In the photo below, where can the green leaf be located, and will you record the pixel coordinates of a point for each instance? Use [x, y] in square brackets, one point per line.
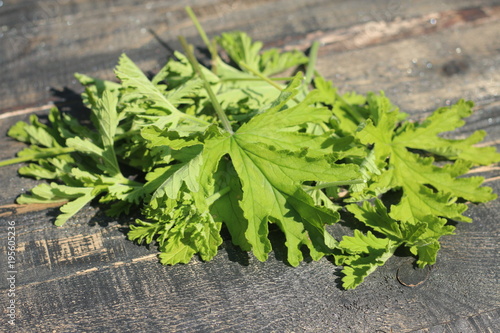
[94, 88]
[77, 198]
[366, 253]
[425, 136]
[107, 117]
[188, 174]
[71, 208]
[427, 188]
[426, 253]
[142, 88]
[132, 77]
[145, 232]
[421, 236]
[272, 181]
[241, 48]
[183, 227]
[235, 145]
[227, 208]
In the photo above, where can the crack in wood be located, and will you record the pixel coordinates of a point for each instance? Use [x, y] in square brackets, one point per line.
[380, 32]
[27, 110]
[485, 169]
[492, 179]
[148, 257]
[18, 209]
[478, 314]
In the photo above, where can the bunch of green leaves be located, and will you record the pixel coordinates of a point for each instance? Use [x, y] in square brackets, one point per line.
[235, 147]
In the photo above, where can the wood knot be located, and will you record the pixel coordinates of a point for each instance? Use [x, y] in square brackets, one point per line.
[409, 275]
[454, 67]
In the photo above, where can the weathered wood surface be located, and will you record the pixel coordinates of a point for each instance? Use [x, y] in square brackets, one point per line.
[87, 277]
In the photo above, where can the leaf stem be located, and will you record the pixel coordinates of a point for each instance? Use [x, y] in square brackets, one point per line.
[196, 66]
[285, 78]
[352, 111]
[338, 183]
[265, 78]
[47, 153]
[125, 135]
[212, 47]
[214, 197]
[262, 77]
[313, 56]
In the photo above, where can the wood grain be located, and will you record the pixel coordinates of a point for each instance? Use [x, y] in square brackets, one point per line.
[86, 276]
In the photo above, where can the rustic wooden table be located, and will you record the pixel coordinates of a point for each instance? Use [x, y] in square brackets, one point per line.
[85, 276]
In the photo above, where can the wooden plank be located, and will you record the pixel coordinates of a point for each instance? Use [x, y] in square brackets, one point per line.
[119, 284]
[86, 276]
[44, 43]
[484, 322]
